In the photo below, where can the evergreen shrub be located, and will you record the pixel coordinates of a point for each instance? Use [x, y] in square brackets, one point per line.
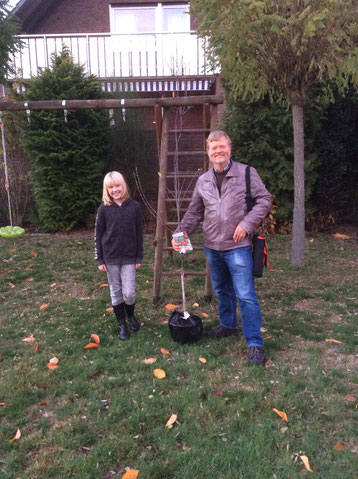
[67, 157]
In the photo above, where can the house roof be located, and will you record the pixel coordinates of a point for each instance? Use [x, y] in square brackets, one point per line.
[30, 11]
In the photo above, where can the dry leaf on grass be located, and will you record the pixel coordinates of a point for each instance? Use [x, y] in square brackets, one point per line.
[131, 474]
[159, 373]
[43, 306]
[17, 436]
[171, 421]
[304, 459]
[95, 338]
[43, 403]
[331, 340]
[341, 236]
[91, 345]
[202, 360]
[339, 447]
[149, 360]
[282, 414]
[54, 360]
[109, 310]
[29, 280]
[11, 285]
[52, 366]
[164, 351]
[266, 338]
[36, 347]
[204, 315]
[263, 330]
[218, 392]
[29, 339]
[350, 398]
[2, 403]
[34, 254]
[103, 285]
[13, 250]
[171, 307]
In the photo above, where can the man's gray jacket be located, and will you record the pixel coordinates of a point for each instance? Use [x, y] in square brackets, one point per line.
[221, 214]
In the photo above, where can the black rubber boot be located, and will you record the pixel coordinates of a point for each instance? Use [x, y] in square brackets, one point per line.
[133, 322]
[120, 313]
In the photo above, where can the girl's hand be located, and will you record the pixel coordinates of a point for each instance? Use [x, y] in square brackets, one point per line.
[138, 265]
[102, 267]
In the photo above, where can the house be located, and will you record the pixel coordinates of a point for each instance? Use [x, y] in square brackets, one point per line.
[136, 45]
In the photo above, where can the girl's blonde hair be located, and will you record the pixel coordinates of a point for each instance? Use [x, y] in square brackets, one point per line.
[113, 178]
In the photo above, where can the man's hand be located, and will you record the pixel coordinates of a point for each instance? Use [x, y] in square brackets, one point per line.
[102, 267]
[239, 234]
[176, 246]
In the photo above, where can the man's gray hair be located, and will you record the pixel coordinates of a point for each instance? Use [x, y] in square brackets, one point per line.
[216, 135]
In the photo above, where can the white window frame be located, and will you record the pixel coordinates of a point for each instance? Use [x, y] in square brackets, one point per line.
[159, 15]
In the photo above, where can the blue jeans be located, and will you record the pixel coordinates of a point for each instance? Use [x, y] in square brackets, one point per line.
[231, 276]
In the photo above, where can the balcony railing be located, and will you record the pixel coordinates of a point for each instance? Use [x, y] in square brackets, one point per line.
[112, 55]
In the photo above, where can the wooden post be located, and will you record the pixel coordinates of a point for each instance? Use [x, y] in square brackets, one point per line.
[163, 165]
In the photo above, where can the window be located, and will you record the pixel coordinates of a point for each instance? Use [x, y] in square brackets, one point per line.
[150, 19]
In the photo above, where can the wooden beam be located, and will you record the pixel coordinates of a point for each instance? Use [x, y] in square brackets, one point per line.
[111, 103]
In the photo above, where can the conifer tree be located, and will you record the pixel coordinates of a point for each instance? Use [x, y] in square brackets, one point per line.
[67, 156]
[9, 44]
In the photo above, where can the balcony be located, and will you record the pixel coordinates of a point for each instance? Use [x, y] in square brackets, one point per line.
[123, 61]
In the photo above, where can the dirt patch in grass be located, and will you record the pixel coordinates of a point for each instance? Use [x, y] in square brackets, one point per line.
[331, 357]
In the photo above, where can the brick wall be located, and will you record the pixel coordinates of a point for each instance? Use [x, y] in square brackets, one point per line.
[80, 16]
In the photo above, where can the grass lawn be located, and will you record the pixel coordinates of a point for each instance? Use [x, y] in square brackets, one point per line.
[102, 410]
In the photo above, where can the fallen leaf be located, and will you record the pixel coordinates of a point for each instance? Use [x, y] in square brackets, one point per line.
[109, 310]
[43, 403]
[34, 254]
[171, 420]
[268, 363]
[339, 447]
[282, 414]
[149, 360]
[103, 285]
[202, 360]
[43, 306]
[131, 474]
[2, 403]
[28, 268]
[341, 236]
[304, 459]
[164, 351]
[95, 373]
[52, 365]
[350, 398]
[11, 285]
[13, 250]
[263, 330]
[91, 345]
[218, 392]
[36, 347]
[195, 305]
[171, 307]
[266, 338]
[29, 339]
[204, 315]
[53, 285]
[147, 281]
[95, 338]
[330, 340]
[54, 360]
[17, 436]
[164, 322]
[29, 280]
[159, 373]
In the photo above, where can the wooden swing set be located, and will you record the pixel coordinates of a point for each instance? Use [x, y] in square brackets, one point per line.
[161, 108]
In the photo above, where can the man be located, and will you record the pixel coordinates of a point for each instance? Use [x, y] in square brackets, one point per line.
[219, 200]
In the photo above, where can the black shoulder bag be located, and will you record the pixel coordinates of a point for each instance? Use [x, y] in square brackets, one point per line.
[259, 245]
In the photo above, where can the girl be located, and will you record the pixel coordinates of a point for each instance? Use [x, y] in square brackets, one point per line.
[119, 247]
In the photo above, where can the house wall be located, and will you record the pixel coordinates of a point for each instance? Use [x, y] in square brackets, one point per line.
[80, 16]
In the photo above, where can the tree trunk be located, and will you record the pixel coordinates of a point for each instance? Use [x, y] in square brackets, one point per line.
[298, 228]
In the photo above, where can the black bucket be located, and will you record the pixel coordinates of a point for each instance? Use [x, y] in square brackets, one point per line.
[185, 330]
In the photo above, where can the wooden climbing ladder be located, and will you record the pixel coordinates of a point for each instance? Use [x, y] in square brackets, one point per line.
[182, 158]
